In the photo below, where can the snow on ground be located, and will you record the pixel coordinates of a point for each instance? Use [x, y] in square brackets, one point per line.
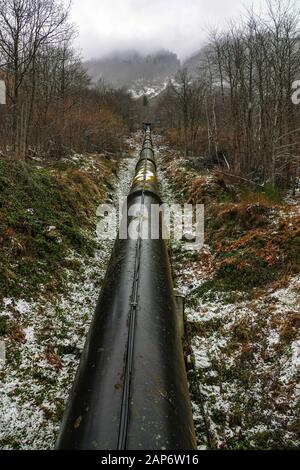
[248, 369]
[246, 355]
[149, 89]
[43, 356]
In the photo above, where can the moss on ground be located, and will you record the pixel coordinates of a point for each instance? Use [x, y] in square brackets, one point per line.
[243, 322]
[45, 213]
[249, 249]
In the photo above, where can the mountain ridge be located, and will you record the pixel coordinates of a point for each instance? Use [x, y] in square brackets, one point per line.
[123, 69]
[142, 74]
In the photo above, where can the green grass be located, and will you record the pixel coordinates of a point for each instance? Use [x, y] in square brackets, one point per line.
[4, 325]
[31, 201]
[268, 191]
[254, 245]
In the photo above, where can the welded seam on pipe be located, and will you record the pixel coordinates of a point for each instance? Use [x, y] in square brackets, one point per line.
[124, 418]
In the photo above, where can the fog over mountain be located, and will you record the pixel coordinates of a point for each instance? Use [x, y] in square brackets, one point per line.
[124, 69]
[143, 25]
[142, 74]
[193, 61]
[136, 28]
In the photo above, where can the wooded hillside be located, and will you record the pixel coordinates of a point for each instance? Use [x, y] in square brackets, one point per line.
[240, 105]
[52, 106]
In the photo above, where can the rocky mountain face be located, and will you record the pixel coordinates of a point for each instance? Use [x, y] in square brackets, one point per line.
[142, 74]
[192, 63]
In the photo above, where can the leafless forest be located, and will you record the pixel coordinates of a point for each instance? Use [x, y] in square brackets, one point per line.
[235, 107]
[51, 106]
[238, 106]
[226, 135]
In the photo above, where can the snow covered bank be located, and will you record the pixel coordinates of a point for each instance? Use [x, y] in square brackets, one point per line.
[242, 346]
[44, 346]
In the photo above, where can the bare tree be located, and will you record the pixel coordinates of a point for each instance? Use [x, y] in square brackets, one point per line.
[246, 74]
[25, 27]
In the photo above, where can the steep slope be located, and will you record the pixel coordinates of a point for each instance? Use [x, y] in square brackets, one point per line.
[143, 74]
[242, 307]
[46, 312]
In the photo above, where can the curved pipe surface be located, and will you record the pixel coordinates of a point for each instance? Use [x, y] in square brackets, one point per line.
[131, 391]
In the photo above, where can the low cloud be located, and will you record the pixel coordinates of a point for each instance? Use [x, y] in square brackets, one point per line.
[178, 25]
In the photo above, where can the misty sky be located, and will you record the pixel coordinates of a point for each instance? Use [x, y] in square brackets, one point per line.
[147, 25]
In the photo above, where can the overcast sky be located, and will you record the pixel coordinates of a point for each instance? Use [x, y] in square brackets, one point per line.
[146, 25]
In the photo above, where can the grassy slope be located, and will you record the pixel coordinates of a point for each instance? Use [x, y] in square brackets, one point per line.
[44, 214]
[49, 283]
[254, 235]
[243, 315]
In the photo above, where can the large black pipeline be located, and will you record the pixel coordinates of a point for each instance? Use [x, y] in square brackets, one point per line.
[131, 391]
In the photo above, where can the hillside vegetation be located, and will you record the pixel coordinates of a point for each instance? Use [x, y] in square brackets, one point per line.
[52, 269]
[45, 213]
[242, 288]
[237, 100]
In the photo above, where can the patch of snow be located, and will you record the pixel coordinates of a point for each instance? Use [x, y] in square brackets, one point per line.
[22, 307]
[248, 371]
[40, 369]
[200, 354]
